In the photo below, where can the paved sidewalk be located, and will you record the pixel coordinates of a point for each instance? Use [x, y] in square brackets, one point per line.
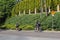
[32, 33]
[29, 31]
[29, 35]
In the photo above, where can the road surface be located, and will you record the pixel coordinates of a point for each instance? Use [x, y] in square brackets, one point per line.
[29, 35]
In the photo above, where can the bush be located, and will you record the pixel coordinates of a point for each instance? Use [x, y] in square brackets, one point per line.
[28, 27]
[3, 27]
[9, 26]
[30, 20]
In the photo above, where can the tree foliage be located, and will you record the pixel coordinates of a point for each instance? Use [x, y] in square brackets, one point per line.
[32, 4]
[5, 9]
[6, 6]
[26, 5]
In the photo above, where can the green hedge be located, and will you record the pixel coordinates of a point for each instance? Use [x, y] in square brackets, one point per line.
[28, 21]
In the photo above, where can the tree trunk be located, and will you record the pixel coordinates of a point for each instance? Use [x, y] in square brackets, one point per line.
[29, 11]
[24, 12]
[35, 10]
[45, 8]
[41, 7]
[19, 12]
[58, 8]
[49, 10]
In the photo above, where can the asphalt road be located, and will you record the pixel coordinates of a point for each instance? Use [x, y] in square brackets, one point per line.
[29, 35]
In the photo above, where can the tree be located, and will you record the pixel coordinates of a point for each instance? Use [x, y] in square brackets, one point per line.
[6, 6]
[5, 9]
[53, 5]
[48, 3]
[31, 5]
[57, 3]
